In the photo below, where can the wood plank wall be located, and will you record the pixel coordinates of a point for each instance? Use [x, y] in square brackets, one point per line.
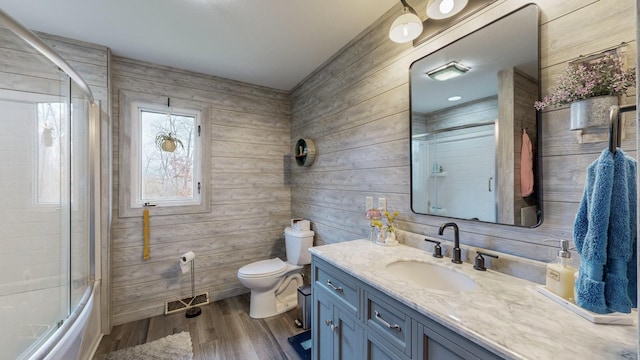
[518, 92]
[22, 67]
[250, 195]
[356, 109]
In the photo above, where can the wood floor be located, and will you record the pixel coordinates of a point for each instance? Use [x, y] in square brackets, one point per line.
[224, 330]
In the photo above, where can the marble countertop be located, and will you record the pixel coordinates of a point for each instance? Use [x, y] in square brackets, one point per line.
[505, 314]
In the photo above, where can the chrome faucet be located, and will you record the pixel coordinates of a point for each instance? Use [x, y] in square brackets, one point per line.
[456, 239]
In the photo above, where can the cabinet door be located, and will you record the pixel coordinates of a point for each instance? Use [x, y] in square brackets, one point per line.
[336, 332]
[322, 332]
[348, 341]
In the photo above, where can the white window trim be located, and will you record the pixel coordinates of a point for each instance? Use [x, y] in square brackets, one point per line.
[129, 104]
[136, 200]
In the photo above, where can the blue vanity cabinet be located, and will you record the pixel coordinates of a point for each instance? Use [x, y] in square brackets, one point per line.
[353, 320]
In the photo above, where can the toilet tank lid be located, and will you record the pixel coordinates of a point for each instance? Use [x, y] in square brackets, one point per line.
[300, 233]
[263, 267]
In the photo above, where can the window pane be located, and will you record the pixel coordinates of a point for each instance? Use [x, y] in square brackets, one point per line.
[167, 176]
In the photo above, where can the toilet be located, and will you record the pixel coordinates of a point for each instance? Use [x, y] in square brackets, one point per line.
[274, 283]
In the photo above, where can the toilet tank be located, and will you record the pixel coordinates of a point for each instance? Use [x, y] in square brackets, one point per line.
[297, 244]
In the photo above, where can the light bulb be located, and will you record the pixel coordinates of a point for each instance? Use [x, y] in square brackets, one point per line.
[446, 6]
[442, 9]
[405, 28]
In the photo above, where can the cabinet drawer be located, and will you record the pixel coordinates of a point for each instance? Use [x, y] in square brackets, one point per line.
[340, 285]
[437, 342]
[390, 322]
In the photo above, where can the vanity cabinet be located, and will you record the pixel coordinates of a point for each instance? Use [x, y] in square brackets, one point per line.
[352, 320]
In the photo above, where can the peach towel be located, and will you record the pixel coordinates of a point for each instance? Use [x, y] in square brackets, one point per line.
[145, 252]
[526, 166]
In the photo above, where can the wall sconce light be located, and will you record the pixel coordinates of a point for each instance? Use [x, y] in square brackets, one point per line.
[441, 14]
[448, 71]
[442, 9]
[407, 26]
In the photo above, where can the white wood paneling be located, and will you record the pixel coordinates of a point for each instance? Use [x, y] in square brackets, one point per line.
[250, 195]
[368, 80]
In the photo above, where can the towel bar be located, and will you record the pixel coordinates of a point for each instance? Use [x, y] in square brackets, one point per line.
[614, 124]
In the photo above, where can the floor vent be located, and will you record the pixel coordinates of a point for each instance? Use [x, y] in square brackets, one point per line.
[186, 303]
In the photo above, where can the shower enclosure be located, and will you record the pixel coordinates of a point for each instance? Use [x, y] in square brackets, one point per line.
[47, 132]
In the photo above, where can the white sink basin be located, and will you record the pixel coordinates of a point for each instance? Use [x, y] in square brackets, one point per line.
[431, 276]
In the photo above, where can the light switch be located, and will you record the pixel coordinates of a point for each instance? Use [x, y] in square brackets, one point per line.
[368, 202]
[382, 204]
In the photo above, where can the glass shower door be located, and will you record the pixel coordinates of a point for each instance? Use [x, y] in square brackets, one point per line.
[80, 204]
[45, 217]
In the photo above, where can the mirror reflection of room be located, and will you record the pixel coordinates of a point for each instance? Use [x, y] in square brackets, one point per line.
[473, 126]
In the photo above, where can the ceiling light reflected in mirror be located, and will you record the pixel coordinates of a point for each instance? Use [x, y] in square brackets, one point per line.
[448, 71]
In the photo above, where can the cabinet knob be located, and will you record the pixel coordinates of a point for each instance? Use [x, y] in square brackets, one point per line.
[331, 325]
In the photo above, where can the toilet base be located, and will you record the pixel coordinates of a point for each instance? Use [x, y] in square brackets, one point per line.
[265, 304]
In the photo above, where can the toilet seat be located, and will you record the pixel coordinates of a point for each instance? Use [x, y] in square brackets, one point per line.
[263, 268]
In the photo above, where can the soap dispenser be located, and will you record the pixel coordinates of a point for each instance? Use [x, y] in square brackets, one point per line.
[560, 273]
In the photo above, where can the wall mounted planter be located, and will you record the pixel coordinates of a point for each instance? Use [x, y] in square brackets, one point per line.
[591, 112]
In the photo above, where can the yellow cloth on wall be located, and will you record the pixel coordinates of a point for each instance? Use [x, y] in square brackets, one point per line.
[145, 252]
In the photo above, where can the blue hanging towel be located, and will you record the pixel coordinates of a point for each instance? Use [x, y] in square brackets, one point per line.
[605, 235]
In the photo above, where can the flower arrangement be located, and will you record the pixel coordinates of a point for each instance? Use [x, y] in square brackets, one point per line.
[603, 76]
[391, 226]
[372, 215]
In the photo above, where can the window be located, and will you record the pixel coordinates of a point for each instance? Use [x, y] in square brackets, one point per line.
[171, 177]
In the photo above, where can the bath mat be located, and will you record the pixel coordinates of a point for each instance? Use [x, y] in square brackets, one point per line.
[172, 347]
[302, 344]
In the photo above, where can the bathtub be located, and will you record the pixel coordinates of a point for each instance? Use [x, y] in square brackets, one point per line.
[66, 343]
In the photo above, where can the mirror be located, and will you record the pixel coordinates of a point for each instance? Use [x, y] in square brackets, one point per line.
[471, 110]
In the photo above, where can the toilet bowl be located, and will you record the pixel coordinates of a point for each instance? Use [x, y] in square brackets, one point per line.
[273, 282]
